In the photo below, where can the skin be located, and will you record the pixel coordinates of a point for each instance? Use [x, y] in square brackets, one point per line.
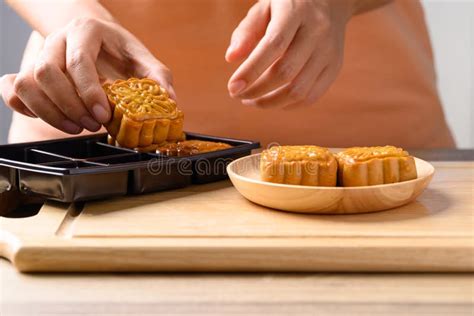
[289, 51]
[62, 84]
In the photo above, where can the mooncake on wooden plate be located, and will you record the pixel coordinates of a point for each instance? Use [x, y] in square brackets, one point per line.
[361, 166]
[301, 165]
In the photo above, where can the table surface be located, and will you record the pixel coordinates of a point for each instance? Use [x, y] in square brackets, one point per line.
[240, 294]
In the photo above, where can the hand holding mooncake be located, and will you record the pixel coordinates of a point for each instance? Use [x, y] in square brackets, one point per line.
[144, 116]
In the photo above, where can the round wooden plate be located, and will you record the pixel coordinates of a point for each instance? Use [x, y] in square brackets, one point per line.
[245, 176]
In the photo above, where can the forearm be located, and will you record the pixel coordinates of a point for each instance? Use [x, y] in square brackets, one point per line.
[32, 49]
[361, 6]
[47, 16]
[344, 10]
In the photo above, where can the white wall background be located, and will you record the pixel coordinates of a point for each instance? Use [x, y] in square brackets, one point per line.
[13, 35]
[451, 23]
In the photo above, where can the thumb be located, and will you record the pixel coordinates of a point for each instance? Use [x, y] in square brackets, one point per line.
[249, 32]
[161, 74]
[146, 65]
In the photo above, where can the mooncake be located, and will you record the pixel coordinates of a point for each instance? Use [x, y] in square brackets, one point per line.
[190, 147]
[144, 116]
[300, 165]
[361, 166]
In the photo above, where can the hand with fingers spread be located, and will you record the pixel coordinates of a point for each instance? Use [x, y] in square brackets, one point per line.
[290, 51]
[64, 85]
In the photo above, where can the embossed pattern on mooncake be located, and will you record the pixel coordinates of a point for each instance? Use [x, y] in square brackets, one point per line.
[301, 165]
[360, 166]
[144, 116]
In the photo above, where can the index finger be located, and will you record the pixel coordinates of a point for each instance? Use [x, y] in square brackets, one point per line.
[83, 46]
[278, 37]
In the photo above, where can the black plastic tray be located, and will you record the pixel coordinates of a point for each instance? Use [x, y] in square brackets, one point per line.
[86, 168]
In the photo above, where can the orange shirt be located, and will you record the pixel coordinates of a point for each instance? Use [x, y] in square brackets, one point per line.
[385, 94]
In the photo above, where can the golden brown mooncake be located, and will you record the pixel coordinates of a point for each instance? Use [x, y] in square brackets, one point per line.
[144, 115]
[190, 147]
[303, 165]
[360, 166]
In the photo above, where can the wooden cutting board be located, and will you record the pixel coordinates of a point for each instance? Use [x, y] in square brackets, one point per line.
[212, 228]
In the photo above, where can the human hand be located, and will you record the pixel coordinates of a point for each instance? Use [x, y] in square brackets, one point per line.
[291, 51]
[63, 85]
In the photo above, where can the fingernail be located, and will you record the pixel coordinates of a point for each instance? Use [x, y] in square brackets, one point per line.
[172, 93]
[100, 113]
[28, 112]
[231, 48]
[70, 127]
[89, 123]
[237, 86]
[249, 102]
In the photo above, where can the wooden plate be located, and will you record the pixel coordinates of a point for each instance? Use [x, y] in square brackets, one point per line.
[245, 176]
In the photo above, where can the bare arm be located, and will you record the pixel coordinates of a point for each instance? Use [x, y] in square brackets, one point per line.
[361, 6]
[291, 51]
[60, 79]
[47, 17]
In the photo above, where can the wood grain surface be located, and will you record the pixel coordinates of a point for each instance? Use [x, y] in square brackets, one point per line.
[245, 176]
[234, 294]
[212, 228]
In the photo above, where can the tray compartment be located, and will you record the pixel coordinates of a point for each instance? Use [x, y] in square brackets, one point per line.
[67, 166]
[160, 173]
[13, 153]
[211, 167]
[7, 179]
[117, 159]
[73, 187]
[151, 173]
[37, 156]
[84, 149]
[87, 168]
